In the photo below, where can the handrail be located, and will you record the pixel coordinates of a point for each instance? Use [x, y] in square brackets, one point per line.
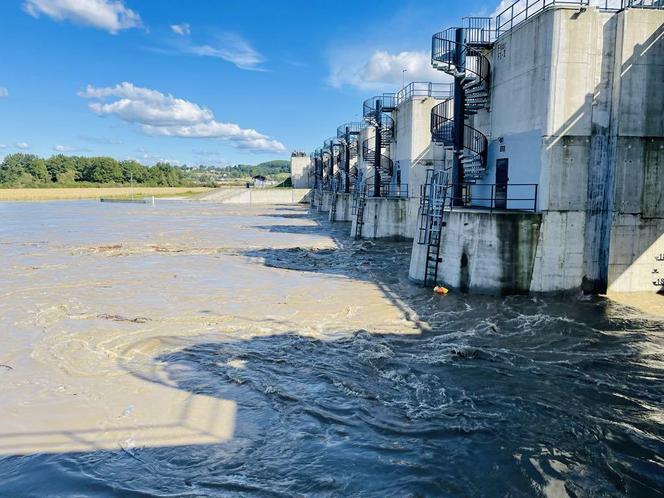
[394, 190]
[520, 10]
[442, 130]
[444, 51]
[527, 201]
[478, 30]
[352, 128]
[387, 103]
[423, 89]
[442, 122]
[368, 154]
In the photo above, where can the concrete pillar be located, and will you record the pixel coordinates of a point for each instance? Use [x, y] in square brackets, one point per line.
[459, 119]
[378, 149]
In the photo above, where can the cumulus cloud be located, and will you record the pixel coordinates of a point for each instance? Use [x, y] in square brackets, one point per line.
[382, 69]
[3, 146]
[3, 92]
[181, 29]
[162, 114]
[67, 148]
[109, 15]
[231, 48]
[22, 145]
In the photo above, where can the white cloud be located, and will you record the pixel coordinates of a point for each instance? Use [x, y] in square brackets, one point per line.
[145, 106]
[3, 146]
[100, 140]
[3, 92]
[230, 48]
[382, 69]
[67, 148]
[162, 114]
[109, 15]
[22, 145]
[181, 29]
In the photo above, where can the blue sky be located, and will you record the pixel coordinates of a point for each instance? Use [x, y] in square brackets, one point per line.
[203, 81]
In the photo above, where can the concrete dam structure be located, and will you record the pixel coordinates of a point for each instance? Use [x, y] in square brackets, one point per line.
[539, 169]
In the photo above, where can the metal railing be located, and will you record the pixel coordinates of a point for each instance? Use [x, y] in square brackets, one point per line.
[442, 122]
[444, 52]
[479, 30]
[521, 10]
[423, 89]
[475, 143]
[387, 103]
[394, 190]
[349, 130]
[495, 196]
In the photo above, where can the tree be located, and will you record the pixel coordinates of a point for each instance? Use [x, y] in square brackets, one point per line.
[102, 170]
[133, 171]
[23, 169]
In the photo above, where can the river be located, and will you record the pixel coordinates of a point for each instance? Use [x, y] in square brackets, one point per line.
[196, 349]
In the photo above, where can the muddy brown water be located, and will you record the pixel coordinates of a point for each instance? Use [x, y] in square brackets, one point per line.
[190, 349]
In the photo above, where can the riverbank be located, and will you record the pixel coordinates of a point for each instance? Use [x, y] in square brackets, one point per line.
[45, 194]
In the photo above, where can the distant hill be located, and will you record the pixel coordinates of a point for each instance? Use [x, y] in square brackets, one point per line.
[269, 169]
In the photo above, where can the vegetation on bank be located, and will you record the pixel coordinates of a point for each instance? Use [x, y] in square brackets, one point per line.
[30, 171]
[44, 194]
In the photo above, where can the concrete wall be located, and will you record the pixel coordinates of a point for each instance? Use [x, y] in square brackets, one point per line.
[636, 238]
[260, 196]
[343, 209]
[384, 218]
[576, 105]
[482, 252]
[411, 152]
[325, 201]
[302, 174]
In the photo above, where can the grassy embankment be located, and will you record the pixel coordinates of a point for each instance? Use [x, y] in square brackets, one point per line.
[43, 194]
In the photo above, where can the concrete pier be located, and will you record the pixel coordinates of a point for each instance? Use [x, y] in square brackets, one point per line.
[574, 108]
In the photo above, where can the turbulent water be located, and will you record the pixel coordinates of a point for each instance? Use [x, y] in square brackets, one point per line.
[190, 349]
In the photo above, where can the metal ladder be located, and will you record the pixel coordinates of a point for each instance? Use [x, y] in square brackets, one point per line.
[320, 198]
[359, 208]
[333, 206]
[433, 203]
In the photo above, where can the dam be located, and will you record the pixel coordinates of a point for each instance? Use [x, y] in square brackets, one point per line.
[539, 167]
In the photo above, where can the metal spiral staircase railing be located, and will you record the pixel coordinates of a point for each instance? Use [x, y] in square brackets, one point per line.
[348, 135]
[332, 157]
[462, 57]
[475, 143]
[376, 112]
[317, 161]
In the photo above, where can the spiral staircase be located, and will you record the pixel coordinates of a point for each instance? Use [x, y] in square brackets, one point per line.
[376, 112]
[348, 135]
[317, 161]
[475, 144]
[459, 53]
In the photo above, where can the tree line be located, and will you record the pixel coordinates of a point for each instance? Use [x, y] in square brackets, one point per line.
[29, 170]
[269, 169]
